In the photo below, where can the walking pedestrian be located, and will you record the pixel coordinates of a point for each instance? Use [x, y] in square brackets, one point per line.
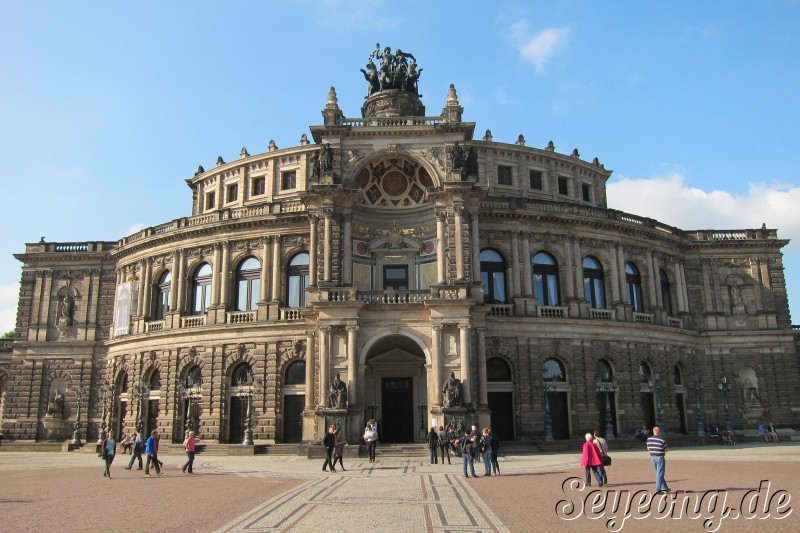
[151, 451]
[108, 451]
[444, 444]
[657, 448]
[433, 444]
[590, 460]
[467, 453]
[127, 443]
[329, 442]
[371, 438]
[602, 445]
[494, 442]
[136, 450]
[338, 448]
[485, 449]
[188, 446]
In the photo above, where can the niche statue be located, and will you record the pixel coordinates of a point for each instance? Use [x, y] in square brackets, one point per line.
[337, 394]
[56, 405]
[452, 392]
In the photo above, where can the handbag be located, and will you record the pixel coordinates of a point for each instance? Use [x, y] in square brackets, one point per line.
[606, 460]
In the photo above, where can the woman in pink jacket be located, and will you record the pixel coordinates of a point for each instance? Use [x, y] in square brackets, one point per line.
[590, 460]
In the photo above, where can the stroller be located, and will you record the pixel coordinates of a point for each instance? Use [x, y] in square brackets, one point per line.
[725, 437]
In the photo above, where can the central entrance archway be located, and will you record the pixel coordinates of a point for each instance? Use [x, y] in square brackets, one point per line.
[395, 384]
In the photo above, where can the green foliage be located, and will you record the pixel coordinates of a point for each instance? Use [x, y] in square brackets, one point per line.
[8, 335]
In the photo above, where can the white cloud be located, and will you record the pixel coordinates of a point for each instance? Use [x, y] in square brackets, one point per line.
[136, 228]
[539, 48]
[9, 296]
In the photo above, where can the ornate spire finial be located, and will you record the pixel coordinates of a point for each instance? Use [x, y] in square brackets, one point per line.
[520, 140]
[304, 140]
[551, 147]
[575, 153]
[244, 153]
[220, 161]
[333, 101]
[488, 136]
[272, 146]
[452, 97]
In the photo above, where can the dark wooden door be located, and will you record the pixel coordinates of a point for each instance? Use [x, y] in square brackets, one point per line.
[502, 417]
[559, 415]
[152, 416]
[237, 419]
[397, 403]
[649, 410]
[293, 417]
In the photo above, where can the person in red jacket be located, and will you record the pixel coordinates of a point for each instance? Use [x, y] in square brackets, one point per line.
[590, 460]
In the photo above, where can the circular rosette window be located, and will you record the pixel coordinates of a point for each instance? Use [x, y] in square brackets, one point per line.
[393, 182]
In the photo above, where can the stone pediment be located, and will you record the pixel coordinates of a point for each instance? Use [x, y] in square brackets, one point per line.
[395, 241]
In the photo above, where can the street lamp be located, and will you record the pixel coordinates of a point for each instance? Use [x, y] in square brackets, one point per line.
[106, 392]
[76, 427]
[246, 389]
[698, 391]
[188, 393]
[422, 426]
[725, 387]
[655, 386]
[548, 385]
[607, 387]
[141, 391]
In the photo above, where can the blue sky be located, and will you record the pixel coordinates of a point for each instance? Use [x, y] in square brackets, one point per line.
[108, 107]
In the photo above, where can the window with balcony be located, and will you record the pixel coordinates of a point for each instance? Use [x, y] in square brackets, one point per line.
[248, 284]
[633, 281]
[545, 279]
[298, 278]
[163, 295]
[593, 283]
[201, 289]
[493, 277]
[395, 277]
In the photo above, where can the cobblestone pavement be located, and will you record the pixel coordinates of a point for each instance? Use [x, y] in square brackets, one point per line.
[67, 492]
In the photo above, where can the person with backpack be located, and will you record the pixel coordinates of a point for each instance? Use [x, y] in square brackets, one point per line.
[137, 447]
[151, 451]
[433, 445]
[494, 443]
[467, 446]
[444, 444]
[107, 452]
[485, 449]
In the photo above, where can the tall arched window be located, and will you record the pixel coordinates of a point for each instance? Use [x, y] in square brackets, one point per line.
[296, 373]
[666, 294]
[493, 277]
[554, 371]
[163, 295]
[633, 281]
[242, 375]
[248, 284]
[593, 283]
[201, 289]
[298, 280]
[497, 370]
[604, 371]
[545, 279]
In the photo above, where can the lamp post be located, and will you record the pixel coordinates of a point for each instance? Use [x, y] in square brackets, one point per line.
[246, 389]
[725, 387]
[140, 394]
[698, 391]
[76, 427]
[655, 386]
[188, 393]
[105, 390]
[422, 426]
[548, 385]
[607, 387]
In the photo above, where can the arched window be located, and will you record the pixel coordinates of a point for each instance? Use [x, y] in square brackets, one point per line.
[666, 293]
[554, 371]
[604, 371]
[677, 375]
[497, 370]
[545, 279]
[242, 375]
[634, 283]
[645, 371]
[296, 373]
[201, 289]
[248, 284]
[493, 277]
[298, 280]
[163, 295]
[155, 380]
[194, 376]
[593, 283]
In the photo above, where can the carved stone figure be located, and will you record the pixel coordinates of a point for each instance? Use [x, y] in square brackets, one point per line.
[315, 167]
[65, 311]
[56, 405]
[736, 295]
[371, 75]
[457, 156]
[326, 158]
[452, 392]
[472, 162]
[395, 71]
[337, 393]
[750, 391]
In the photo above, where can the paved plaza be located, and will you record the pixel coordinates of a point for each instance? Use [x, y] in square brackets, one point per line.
[66, 492]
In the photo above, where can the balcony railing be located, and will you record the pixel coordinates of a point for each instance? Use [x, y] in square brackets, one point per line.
[291, 313]
[501, 310]
[394, 297]
[240, 317]
[643, 318]
[155, 326]
[673, 322]
[193, 321]
[552, 311]
[603, 314]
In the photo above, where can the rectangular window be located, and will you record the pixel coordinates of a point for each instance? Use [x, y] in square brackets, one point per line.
[563, 187]
[233, 192]
[259, 186]
[210, 200]
[504, 175]
[536, 180]
[585, 191]
[288, 180]
[395, 277]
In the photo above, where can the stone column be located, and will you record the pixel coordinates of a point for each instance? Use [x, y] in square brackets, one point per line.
[215, 279]
[459, 228]
[148, 284]
[140, 301]
[515, 285]
[324, 364]
[656, 283]
[352, 366]
[436, 365]
[475, 244]
[463, 349]
[310, 358]
[483, 396]
[621, 275]
[612, 253]
[263, 295]
[225, 275]
[578, 259]
[569, 277]
[683, 288]
[173, 303]
[441, 257]
[312, 251]
[676, 273]
[327, 252]
[276, 268]
[526, 265]
[181, 294]
[347, 249]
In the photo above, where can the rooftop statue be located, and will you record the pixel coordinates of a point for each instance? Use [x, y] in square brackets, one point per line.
[394, 71]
